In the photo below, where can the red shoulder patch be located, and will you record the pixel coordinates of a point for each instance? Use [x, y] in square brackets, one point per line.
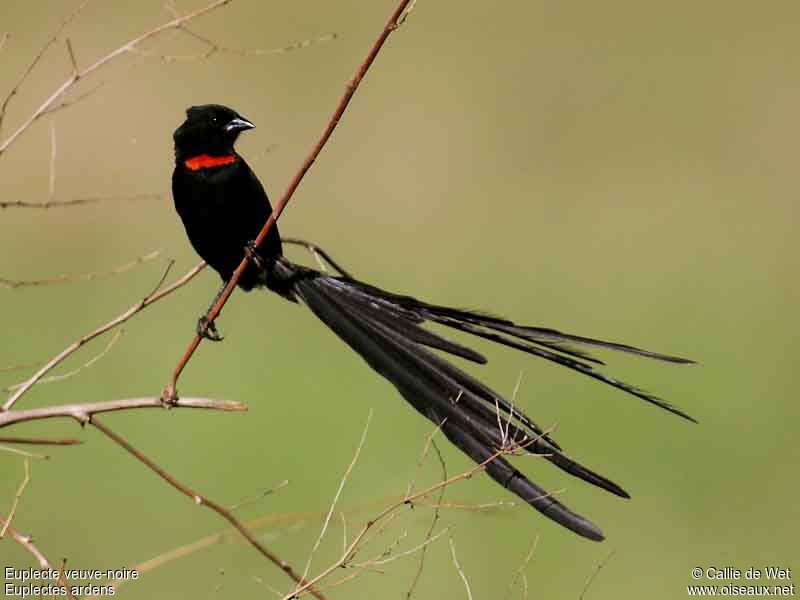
[205, 161]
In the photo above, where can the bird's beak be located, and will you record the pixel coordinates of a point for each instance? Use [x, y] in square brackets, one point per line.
[238, 124]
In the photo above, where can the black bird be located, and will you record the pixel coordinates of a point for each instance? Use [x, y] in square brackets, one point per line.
[223, 206]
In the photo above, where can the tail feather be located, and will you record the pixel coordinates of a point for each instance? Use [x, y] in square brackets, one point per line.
[545, 343]
[385, 330]
[510, 478]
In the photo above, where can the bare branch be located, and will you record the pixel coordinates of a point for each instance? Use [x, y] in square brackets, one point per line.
[263, 494]
[72, 60]
[594, 573]
[421, 566]
[390, 511]
[41, 441]
[59, 92]
[26, 541]
[73, 372]
[338, 493]
[26, 73]
[22, 453]
[203, 501]
[83, 413]
[53, 154]
[76, 201]
[213, 48]
[139, 306]
[17, 283]
[519, 575]
[321, 256]
[17, 496]
[419, 547]
[459, 569]
[19, 367]
[67, 102]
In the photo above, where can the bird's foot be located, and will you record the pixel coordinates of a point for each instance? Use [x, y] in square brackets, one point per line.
[251, 251]
[207, 330]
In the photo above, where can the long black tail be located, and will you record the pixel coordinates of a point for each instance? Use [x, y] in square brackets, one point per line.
[385, 330]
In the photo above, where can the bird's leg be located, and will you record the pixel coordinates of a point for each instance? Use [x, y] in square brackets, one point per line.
[205, 326]
[318, 253]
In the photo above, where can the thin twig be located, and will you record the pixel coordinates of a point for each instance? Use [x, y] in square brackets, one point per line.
[519, 575]
[263, 494]
[72, 59]
[389, 511]
[386, 557]
[271, 589]
[421, 566]
[26, 73]
[77, 76]
[482, 507]
[594, 573]
[204, 501]
[214, 48]
[77, 201]
[22, 453]
[350, 89]
[17, 283]
[142, 304]
[226, 535]
[459, 569]
[319, 254]
[19, 367]
[53, 154]
[83, 413]
[41, 441]
[429, 539]
[26, 541]
[338, 493]
[17, 496]
[73, 372]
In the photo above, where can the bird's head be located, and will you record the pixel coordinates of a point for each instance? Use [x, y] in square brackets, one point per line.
[209, 129]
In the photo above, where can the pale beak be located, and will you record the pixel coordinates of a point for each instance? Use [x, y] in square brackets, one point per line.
[238, 124]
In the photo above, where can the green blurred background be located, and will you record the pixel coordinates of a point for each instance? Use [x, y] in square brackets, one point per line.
[623, 170]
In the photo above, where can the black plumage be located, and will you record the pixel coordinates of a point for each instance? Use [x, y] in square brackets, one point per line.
[223, 206]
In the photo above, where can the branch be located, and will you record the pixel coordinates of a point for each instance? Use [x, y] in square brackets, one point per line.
[73, 372]
[78, 75]
[17, 283]
[352, 86]
[321, 256]
[436, 511]
[75, 201]
[594, 573]
[520, 575]
[40, 441]
[217, 508]
[214, 48]
[389, 512]
[141, 305]
[26, 541]
[459, 569]
[17, 496]
[336, 496]
[83, 412]
[26, 73]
